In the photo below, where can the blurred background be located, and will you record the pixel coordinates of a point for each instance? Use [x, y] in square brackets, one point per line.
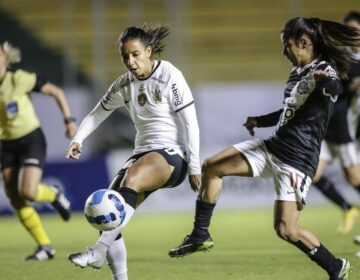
[229, 51]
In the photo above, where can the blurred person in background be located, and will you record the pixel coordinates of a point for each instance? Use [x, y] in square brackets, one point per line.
[161, 106]
[23, 147]
[353, 86]
[341, 140]
[316, 48]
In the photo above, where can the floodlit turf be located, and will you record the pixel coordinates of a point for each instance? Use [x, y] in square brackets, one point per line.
[245, 248]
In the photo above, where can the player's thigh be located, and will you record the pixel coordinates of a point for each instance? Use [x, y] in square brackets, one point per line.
[226, 163]
[149, 172]
[353, 174]
[320, 170]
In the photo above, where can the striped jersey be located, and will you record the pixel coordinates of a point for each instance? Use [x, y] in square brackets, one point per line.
[303, 121]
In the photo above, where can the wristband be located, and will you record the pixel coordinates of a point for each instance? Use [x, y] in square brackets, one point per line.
[69, 120]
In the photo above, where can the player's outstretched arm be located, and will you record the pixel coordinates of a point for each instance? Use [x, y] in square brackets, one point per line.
[60, 98]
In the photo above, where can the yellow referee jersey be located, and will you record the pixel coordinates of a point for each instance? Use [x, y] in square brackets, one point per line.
[17, 114]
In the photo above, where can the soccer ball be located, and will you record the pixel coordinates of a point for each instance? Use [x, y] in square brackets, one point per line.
[104, 209]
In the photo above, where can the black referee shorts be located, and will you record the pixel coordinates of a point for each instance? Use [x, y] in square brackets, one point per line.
[27, 150]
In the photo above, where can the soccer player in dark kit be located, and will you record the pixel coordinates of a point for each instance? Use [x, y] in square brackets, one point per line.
[341, 141]
[316, 48]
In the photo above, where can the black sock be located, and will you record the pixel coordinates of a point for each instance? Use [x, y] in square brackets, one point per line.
[203, 215]
[323, 257]
[129, 195]
[328, 189]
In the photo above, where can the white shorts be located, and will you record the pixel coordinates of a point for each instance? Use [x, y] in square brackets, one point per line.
[348, 154]
[290, 183]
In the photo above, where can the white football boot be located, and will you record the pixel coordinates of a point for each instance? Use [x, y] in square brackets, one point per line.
[93, 256]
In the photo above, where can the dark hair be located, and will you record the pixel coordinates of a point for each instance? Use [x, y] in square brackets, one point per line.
[329, 39]
[149, 36]
[352, 16]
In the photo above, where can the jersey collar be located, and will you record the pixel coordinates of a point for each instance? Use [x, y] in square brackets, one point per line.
[157, 64]
[299, 70]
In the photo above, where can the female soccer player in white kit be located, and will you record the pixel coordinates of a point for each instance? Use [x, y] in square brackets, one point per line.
[161, 106]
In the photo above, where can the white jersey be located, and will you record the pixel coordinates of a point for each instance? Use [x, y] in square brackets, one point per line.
[161, 108]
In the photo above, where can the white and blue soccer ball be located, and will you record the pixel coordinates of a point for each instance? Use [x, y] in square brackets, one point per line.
[104, 209]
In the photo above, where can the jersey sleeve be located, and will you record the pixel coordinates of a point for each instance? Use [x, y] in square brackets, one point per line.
[270, 119]
[40, 81]
[330, 86]
[26, 79]
[180, 95]
[189, 120]
[113, 98]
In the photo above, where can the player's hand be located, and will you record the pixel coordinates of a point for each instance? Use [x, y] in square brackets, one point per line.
[71, 129]
[195, 182]
[320, 74]
[250, 124]
[74, 151]
[355, 85]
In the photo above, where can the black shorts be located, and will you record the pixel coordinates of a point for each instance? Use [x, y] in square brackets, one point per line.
[27, 150]
[177, 176]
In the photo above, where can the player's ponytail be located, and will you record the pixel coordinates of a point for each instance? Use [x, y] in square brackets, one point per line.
[149, 36]
[330, 39]
[13, 55]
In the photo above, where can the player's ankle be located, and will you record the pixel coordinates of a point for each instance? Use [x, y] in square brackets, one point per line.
[200, 233]
[102, 247]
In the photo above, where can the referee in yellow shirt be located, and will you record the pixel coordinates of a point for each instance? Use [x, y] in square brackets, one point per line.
[23, 147]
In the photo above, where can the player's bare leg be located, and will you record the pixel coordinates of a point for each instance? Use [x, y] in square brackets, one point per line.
[138, 179]
[286, 214]
[349, 212]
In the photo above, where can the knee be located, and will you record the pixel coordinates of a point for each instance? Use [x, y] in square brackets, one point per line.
[15, 200]
[210, 168]
[28, 193]
[286, 232]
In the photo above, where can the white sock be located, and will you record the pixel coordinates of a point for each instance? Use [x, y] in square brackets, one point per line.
[107, 237]
[116, 257]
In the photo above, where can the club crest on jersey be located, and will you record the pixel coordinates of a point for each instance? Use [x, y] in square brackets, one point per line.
[142, 99]
[303, 87]
[12, 108]
[156, 95]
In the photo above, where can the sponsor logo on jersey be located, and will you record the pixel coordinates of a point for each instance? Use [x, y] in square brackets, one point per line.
[127, 82]
[302, 87]
[287, 115]
[107, 97]
[156, 95]
[31, 161]
[178, 99]
[142, 99]
[158, 79]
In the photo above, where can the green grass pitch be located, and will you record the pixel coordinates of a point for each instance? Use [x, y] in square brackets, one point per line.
[246, 247]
